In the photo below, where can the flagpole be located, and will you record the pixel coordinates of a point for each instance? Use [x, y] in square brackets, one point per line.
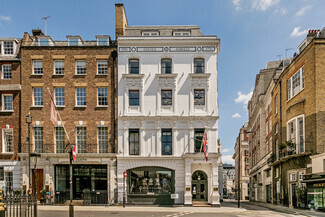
[52, 101]
[202, 141]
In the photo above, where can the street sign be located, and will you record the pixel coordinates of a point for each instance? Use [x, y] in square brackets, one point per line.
[125, 174]
[74, 153]
[174, 196]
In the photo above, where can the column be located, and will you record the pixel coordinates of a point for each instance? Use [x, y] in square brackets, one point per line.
[188, 183]
[215, 197]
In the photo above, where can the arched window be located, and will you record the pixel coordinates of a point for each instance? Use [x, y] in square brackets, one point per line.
[133, 66]
[198, 65]
[166, 66]
[199, 175]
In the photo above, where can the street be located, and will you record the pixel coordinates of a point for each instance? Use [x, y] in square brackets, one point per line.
[228, 209]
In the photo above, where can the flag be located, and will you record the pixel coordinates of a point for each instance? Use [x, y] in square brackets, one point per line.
[54, 115]
[205, 146]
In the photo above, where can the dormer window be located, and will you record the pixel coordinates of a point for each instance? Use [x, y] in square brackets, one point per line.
[73, 41]
[8, 47]
[150, 33]
[181, 33]
[102, 41]
[44, 42]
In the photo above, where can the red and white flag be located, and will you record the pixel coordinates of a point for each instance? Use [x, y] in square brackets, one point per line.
[205, 146]
[74, 153]
[54, 115]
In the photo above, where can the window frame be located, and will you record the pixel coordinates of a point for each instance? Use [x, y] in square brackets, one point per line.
[297, 128]
[136, 142]
[59, 97]
[196, 97]
[81, 139]
[130, 67]
[181, 33]
[59, 68]
[10, 180]
[38, 70]
[4, 146]
[81, 97]
[38, 139]
[80, 69]
[41, 42]
[196, 66]
[290, 83]
[99, 68]
[166, 141]
[102, 97]
[4, 109]
[59, 138]
[170, 99]
[3, 72]
[38, 97]
[73, 41]
[150, 33]
[3, 48]
[138, 99]
[102, 139]
[197, 138]
[163, 66]
[102, 42]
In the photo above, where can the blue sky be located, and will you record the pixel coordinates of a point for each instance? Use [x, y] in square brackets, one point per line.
[252, 32]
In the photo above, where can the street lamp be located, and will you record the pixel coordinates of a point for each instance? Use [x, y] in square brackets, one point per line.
[35, 182]
[29, 120]
[239, 169]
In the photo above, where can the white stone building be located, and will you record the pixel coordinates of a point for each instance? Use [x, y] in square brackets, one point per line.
[167, 97]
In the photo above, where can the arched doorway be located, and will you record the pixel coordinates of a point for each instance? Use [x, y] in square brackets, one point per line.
[199, 186]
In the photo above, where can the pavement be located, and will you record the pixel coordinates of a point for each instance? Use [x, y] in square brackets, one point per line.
[228, 209]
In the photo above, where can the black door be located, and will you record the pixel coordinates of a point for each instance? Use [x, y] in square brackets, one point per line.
[199, 186]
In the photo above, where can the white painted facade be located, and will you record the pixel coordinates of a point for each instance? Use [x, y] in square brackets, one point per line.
[183, 117]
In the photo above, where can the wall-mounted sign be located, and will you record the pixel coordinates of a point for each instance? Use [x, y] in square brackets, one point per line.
[318, 185]
[174, 196]
[192, 49]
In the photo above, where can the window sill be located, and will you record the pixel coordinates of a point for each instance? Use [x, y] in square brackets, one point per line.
[37, 106]
[101, 74]
[58, 75]
[6, 79]
[36, 75]
[80, 106]
[81, 75]
[295, 95]
[60, 106]
[7, 111]
[7, 153]
[102, 106]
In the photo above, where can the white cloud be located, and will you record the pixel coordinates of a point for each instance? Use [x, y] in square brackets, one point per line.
[5, 18]
[237, 4]
[303, 10]
[225, 150]
[264, 5]
[296, 32]
[228, 159]
[242, 98]
[236, 115]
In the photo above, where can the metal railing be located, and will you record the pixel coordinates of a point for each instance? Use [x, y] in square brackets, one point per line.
[18, 205]
[64, 148]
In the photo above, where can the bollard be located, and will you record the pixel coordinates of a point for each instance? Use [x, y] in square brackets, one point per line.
[2, 210]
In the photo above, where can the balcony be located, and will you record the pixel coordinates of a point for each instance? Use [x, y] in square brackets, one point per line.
[64, 148]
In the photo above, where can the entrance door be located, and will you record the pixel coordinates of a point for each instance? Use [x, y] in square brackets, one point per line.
[81, 187]
[268, 193]
[39, 180]
[293, 195]
[199, 186]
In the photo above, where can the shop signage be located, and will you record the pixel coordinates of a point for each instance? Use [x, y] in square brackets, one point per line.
[318, 185]
[174, 196]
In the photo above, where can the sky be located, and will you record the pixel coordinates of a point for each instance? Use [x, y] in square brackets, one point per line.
[251, 32]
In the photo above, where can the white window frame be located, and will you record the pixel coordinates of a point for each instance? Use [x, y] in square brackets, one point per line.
[102, 139]
[276, 104]
[38, 140]
[301, 175]
[38, 68]
[297, 129]
[81, 67]
[182, 33]
[55, 96]
[98, 97]
[79, 137]
[58, 67]
[43, 40]
[4, 148]
[3, 71]
[293, 177]
[100, 64]
[290, 91]
[81, 96]
[56, 135]
[3, 48]
[150, 33]
[39, 97]
[3, 102]
[73, 39]
[10, 181]
[101, 40]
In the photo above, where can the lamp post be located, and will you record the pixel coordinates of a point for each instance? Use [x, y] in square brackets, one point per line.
[239, 169]
[35, 182]
[29, 120]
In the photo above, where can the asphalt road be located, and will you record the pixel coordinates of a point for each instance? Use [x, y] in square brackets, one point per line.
[228, 210]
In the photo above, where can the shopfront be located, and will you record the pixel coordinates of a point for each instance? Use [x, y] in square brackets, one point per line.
[89, 184]
[150, 185]
[316, 195]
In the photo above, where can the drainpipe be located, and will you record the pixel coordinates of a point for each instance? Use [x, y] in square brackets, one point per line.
[113, 83]
[281, 174]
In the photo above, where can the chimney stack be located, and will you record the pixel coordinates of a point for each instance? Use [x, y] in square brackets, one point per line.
[120, 20]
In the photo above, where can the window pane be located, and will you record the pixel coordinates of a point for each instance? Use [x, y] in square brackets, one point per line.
[38, 139]
[8, 103]
[81, 96]
[166, 142]
[301, 135]
[38, 96]
[8, 140]
[59, 96]
[81, 139]
[81, 67]
[6, 72]
[102, 66]
[198, 137]
[59, 67]
[166, 66]
[102, 41]
[134, 66]
[38, 67]
[199, 66]
[166, 97]
[134, 98]
[9, 181]
[199, 97]
[59, 139]
[102, 139]
[134, 141]
[102, 96]
[8, 47]
[44, 42]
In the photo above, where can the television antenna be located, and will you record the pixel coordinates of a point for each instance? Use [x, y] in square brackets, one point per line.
[286, 51]
[45, 20]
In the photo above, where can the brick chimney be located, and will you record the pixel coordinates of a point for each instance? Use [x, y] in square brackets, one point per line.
[37, 32]
[120, 20]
